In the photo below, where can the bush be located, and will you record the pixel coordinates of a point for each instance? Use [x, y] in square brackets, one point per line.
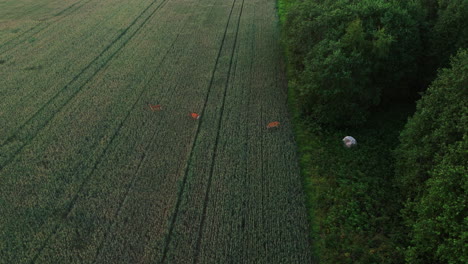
[354, 207]
[429, 167]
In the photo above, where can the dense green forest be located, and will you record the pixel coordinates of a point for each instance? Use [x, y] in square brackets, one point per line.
[394, 75]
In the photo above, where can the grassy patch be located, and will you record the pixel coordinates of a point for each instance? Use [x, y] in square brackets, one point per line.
[351, 197]
[283, 6]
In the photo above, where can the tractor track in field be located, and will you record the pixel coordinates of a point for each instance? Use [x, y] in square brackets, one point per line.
[262, 166]
[184, 180]
[142, 159]
[21, 38]
[51, 113]
[102, 155]
[210, 177]
[99, 160]
[86, 179]
[92, 29]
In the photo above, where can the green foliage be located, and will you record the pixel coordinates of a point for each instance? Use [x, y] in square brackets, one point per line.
[440, 120]
[345, 57]
[431, 168]
[439, 232]
[443, 28]
[283, 8]
[450, 30]
[327, 100]
[353, 206]
[348, 55]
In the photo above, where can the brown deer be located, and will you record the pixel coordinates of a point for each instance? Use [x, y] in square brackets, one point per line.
[194, 115]
[155, 107]
[273, 124]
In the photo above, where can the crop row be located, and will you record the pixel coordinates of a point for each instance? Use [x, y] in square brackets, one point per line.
[14, 143]
[37, 71]
[46, 175]
[148, 226]
[98, 178]
[242, 201]
[186, 223]
[62, 136]
[19, 38]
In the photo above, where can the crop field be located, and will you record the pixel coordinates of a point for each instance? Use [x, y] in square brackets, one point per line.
[90, 174]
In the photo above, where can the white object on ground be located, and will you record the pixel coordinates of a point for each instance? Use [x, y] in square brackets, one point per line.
[349, 141]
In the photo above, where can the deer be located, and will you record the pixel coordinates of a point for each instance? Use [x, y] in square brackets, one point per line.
[155, 107]
[194, 115]
[273, 124]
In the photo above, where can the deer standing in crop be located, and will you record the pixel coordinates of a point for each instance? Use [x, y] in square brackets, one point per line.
[155, 107]
[194, 115]
[273, 124]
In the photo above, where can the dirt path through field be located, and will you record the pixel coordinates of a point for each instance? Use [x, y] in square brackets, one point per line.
[89, 174]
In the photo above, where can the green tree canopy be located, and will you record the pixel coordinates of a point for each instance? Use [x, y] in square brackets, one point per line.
[350, 55]
[431, 168]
